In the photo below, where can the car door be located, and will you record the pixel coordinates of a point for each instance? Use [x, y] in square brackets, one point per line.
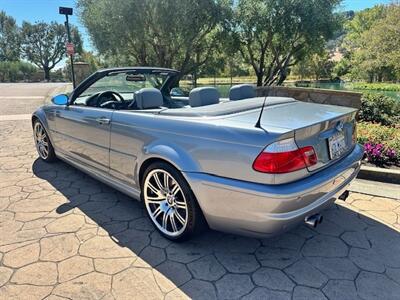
[83, 134]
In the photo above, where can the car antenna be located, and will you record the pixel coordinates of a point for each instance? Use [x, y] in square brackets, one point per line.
[258, 124]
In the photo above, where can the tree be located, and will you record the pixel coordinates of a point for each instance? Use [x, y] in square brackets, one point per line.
[372, 42]
[9, 38]
[43, 44]
[273, 35]
[177, 34]
[11, 71]
[317, 65]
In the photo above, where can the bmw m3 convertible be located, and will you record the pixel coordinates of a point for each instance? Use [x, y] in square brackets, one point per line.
[250, 165]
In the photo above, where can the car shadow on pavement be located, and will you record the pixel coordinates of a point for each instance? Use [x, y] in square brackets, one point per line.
[348, 256]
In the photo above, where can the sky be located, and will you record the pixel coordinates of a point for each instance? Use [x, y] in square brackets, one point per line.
[47, 10]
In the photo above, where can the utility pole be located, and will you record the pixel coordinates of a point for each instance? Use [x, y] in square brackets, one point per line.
[67, 11]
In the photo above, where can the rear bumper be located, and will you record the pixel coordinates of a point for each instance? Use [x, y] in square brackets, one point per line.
[261, 210]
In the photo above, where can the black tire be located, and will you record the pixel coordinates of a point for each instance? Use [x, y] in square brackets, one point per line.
[51, 155]
[195, 220]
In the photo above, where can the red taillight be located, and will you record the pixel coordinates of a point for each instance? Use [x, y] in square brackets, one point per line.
[285, 162]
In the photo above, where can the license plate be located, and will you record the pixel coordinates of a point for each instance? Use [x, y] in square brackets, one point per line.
[337, 145]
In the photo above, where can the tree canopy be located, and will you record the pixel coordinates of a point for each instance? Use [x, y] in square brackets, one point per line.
[273, 35]
[9, 38]
[43, 44]
[373, 42]
[178, 34]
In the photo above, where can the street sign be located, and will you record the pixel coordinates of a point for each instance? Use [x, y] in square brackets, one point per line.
[70, 48]
[65, 10]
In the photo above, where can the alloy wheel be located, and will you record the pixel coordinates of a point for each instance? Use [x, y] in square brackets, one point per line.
[165, 202]
[41, 140]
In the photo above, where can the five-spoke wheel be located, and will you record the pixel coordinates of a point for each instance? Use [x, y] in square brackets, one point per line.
[169, 202]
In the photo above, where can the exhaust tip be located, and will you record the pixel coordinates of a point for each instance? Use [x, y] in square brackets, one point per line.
[313, 220]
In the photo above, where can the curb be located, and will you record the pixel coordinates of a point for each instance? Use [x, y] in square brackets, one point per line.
[379, 174]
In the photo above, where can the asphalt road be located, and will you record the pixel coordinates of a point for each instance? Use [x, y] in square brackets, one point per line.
[24, 98]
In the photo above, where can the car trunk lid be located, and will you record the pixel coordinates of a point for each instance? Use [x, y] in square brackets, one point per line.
[328, 129]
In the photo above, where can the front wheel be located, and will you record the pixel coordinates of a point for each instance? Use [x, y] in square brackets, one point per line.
[170, 203]
[42, 142]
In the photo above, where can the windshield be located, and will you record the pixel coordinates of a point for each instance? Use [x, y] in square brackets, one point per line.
[126, 82]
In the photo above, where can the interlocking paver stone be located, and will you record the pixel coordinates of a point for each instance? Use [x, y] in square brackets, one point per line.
[198, 289]
[367, 259]
[73, 267]
[335, 268]
[135, 284]
[14, 291]
[113, 265]
[90, 286]
[5, 275]
[273, 279]
[306, 293]
[22, 256]
[68, 223]
[238, 262]
[325, 246]
[207, 268]
[153, 255]
[304, 273]
[233, 286]
[59, 247]
[103, 247]
[266, 294]
[340, 289]
[393, 274]
[39, 273]
[356, 239]
[376, 286]
[176, 272]
[277, 258]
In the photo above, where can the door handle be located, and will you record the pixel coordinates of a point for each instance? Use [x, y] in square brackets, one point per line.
[103, 121]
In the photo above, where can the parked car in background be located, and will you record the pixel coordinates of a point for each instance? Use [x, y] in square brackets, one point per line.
[250, 165]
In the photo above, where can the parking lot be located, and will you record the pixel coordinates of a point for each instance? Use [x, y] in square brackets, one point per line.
[65, 235]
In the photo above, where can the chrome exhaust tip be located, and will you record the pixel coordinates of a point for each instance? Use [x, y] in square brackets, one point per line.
[313, 220]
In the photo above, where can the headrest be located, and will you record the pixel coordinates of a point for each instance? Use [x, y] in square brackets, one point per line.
[203, 96]
[148, 98]
[242, 91]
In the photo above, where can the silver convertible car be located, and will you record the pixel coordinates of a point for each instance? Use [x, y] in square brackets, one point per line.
[250, 165]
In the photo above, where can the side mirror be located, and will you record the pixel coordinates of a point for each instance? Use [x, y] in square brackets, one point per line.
[60, 99]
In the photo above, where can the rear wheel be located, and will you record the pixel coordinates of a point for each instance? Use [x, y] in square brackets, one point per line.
[170, 203]
[42, 142]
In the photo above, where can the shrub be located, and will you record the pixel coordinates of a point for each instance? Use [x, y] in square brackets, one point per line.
[381, 143]
[380, 109]
[16, 71]
[375, 86]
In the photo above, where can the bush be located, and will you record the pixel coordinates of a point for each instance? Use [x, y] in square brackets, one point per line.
[11, 71]
[379, 109]
[381, 143]
[375, 86]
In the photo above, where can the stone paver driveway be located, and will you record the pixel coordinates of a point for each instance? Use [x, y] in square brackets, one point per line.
[65, 235]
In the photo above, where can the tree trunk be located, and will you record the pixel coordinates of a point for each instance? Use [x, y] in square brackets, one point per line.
[46, 74]
[259, 78]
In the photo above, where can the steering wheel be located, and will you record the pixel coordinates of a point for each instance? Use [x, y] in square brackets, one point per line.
[107, 95]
